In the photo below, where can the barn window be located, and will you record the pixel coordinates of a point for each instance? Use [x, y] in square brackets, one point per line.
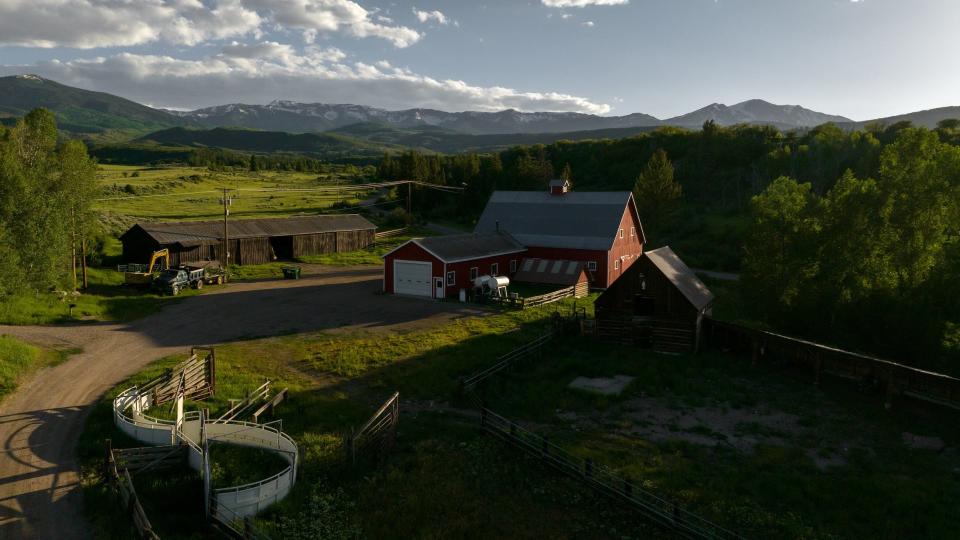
[616, 264]
[513, 265]
[451, 278]
[494, 269]
[592, 266]
[621, 233]
[473, 273]
[633, 232]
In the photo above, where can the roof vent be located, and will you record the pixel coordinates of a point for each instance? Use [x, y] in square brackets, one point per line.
[559, 186]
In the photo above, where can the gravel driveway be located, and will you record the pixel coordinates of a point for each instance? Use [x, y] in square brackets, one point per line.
[41, 421]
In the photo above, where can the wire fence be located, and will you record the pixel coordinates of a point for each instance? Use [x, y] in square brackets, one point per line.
[658, 509]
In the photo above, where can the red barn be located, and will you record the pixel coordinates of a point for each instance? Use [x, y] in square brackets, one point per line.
[599, 228]
[440, 266]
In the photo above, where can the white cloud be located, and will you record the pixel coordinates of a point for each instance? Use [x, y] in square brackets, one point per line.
[588, 24]
[87, 24]
[582, 3]
[315, 16]
[425, 16]
[261, 72]
[106, 23]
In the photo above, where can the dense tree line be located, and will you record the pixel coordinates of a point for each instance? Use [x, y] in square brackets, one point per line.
[46, 192]
[872, 262]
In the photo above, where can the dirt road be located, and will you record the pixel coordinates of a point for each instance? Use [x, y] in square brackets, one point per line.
[41, 421]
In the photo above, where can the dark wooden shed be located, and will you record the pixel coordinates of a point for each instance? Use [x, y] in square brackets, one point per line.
[659, 302]
[252, 241]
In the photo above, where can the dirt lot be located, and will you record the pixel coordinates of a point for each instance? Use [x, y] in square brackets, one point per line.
[41, 421]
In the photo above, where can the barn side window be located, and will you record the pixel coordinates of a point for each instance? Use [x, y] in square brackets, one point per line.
[592, 266]
[473, 273]
[633, 232]
[451, 278]
[616, 264]
[513, 266]
[494, 269]
[621, 233]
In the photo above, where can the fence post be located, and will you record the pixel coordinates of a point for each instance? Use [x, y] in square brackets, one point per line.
[107, 460]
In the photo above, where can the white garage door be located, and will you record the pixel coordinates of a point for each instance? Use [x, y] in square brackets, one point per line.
[412, 277]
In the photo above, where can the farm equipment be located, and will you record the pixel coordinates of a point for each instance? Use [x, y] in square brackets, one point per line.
[174, 280]
[142, 275]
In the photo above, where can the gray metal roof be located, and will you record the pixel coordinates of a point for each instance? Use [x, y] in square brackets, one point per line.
[681, 276]
[464, 247]
[574, 220]
[189, 233]
[549, 271]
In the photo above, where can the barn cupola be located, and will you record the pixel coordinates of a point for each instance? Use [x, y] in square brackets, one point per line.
[559, 186]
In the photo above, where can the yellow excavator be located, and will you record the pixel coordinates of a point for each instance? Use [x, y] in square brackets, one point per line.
[142, 275]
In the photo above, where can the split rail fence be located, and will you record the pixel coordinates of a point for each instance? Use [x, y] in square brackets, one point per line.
[390, 234]
[118, 475]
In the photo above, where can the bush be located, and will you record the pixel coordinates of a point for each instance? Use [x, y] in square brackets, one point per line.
[398, 218]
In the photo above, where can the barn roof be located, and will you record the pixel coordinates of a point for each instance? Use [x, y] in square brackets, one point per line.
[552, 272]
[681, 276]
[190, 233]
[464, 247]
[574, 220]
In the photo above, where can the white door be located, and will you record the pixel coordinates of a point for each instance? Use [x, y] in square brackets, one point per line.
[438, 285]
[412, 277]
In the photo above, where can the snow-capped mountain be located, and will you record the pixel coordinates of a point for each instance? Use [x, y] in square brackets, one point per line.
[755, 111]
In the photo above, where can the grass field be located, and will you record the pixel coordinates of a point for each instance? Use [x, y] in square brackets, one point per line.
[18, 359]
[445, 479]
[195, 193]
[748, 447]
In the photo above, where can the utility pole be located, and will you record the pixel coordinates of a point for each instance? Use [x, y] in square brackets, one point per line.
[226, 238]
[409, 196]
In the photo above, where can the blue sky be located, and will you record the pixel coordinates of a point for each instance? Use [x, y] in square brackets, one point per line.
[861, 59]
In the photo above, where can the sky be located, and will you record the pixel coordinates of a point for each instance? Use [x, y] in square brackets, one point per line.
[861, 59]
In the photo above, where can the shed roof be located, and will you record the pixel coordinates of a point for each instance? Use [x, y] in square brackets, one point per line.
[190, 233]
[464, 247]
[575, 220]
[551, 271]
[681, 276]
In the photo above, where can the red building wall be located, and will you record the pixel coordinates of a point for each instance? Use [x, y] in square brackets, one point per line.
[408, 252]
[413, 252]
[627, 249]
[462, 270]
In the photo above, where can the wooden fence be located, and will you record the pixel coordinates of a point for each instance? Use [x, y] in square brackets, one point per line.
[890, 377]
[195, 376]
[598, 477]
[574, 291]
[378, 434]
[390, 234]
[119, 478]
[603, 479]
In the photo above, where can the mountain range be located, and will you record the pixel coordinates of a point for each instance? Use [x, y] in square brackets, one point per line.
[98, 114]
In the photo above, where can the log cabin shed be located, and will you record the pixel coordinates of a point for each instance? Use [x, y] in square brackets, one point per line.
[252, 241]
[658, 302]
[440, 266]
[602, 229]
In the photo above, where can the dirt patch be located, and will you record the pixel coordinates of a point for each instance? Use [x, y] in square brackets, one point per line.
[923, 443]
[607, 386]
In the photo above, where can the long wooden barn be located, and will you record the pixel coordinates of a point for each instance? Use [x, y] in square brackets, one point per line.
[252, 241]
